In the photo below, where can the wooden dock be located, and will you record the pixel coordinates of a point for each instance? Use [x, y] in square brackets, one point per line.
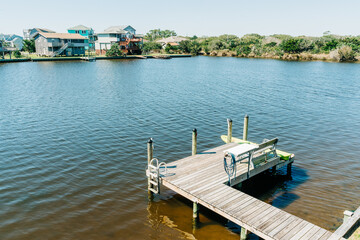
[202, 179]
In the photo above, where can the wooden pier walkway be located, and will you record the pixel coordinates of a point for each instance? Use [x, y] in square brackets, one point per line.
[202, 179]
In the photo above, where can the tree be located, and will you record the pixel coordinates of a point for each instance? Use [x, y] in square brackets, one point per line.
[29, 46]
[17, 54]
[154, 34]
[149, 46]
[185, 46]
[195, 48]
[114, 51]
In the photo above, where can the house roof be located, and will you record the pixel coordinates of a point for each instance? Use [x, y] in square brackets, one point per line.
[62, 35]
[174, 39]
[44, 30]
[80, 27]
[9, 37]
[117, 29]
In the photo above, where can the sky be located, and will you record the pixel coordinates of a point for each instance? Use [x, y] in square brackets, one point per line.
[187, 17]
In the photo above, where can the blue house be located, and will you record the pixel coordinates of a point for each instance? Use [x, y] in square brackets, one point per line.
[86, 32]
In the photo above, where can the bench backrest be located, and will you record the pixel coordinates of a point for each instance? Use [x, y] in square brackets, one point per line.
[268, 143]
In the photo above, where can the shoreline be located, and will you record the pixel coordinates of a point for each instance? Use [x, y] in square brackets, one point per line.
[55, 59]
[293, 57]
[308, 57]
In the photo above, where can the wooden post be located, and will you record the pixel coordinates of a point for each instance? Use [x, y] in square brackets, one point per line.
[195, 213]
[194, 139]
[244, 233]
[149, 158]
[150, 150]
[245, 130]
[273, 170]
[288, 169]
[229, 136]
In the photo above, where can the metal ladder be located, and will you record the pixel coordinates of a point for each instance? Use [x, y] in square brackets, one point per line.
[153, 174]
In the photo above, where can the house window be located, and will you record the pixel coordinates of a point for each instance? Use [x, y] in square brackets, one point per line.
[77, 31]
[83, 31]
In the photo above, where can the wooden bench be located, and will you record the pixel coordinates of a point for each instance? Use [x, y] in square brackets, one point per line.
[253, 154]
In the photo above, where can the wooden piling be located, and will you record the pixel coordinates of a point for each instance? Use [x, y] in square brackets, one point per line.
[195, 213]
[244, 233]
[194, 139]
[149, 158]
[245, 130]
[229, 136]
[288, 169]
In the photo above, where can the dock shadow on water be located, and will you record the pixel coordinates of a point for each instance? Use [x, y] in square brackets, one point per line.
[171, 210]
[276, 189]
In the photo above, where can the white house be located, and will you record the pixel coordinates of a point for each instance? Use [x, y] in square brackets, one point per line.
[125, 36]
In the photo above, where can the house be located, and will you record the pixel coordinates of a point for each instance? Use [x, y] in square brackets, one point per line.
[53, 44]
[30, 34]
[12, 40]
[173, 41]
[86, 32]
[125, 36]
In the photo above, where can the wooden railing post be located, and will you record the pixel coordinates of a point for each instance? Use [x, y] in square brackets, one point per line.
[194, 139]
[150, 150]
[149, 158]
[245, 130]
[229, 135]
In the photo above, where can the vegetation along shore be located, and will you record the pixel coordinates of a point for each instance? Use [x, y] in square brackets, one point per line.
[329, 47]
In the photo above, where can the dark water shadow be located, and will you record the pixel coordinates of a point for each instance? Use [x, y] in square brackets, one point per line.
[177, 210]
[276, 189]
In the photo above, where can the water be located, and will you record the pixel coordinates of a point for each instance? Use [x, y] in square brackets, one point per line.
[73, 141]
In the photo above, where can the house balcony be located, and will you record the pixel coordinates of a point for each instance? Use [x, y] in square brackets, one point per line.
[55, 44]
[70, 44]
[78, 44]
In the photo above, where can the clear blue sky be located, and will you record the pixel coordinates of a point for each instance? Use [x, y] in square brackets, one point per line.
[187, 17]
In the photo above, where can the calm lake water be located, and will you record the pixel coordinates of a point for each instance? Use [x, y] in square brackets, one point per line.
[73, 142]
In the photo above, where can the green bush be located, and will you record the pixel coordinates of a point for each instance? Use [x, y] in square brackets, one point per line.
[346, 53]
[170, 49]
[150, 46]
[243, 50]
[330, 45]
[291, 45]
[17, 54]
[114, 51]
[188, 46]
